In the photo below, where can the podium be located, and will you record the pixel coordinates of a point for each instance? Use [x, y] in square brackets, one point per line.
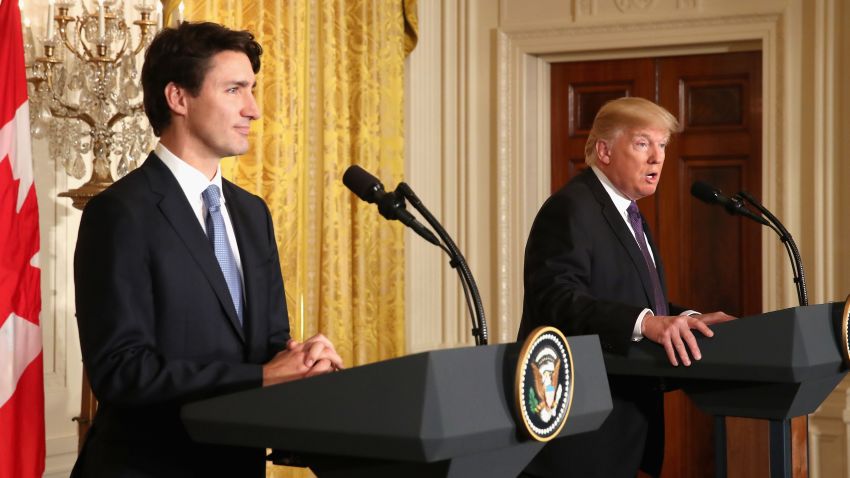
[775, 366]
[448, 413]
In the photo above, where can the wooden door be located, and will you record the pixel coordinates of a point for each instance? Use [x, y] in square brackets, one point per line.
[712, 260]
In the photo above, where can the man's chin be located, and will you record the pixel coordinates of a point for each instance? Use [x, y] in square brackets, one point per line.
[238, 151]
[646, 191]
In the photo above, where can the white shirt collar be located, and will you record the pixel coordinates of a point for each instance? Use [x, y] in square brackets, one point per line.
[621, 201]
[192, 181]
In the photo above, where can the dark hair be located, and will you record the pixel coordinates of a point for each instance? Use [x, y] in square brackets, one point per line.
[182, 55]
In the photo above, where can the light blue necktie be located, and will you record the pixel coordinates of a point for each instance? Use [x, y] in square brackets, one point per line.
[217, 235]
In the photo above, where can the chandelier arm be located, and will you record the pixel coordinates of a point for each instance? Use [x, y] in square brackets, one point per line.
[84, 117]
[142, 42]
[86, 49]
[125, 30]
[115, 119]
[63, 33]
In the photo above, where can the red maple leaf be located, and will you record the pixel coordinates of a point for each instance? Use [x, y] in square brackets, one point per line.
[20, 282]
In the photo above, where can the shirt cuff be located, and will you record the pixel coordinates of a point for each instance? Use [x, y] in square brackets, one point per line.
[637, 336]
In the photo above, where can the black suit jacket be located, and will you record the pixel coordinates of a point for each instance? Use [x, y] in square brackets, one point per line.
[158, 327]
[585, 274]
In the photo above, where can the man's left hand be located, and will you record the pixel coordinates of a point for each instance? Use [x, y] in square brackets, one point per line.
[674, 333]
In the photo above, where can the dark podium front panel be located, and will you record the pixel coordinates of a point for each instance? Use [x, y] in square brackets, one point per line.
[776, 365]
[441, 413]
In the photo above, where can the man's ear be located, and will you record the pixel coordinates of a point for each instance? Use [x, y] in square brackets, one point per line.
[603, 152]
[175, 96]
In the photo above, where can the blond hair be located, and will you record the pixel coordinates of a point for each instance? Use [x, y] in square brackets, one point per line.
[624, 113]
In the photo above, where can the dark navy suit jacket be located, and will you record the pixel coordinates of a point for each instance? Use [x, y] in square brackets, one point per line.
[158, 328]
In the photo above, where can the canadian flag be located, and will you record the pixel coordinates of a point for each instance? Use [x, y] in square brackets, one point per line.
[21, 373]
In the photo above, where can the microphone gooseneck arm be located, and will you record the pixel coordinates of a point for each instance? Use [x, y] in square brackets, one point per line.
[790, 247]
[457, 261]
[391, 206]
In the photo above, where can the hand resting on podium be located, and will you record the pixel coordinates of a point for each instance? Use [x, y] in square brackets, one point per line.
[314, 356]
[674, 333]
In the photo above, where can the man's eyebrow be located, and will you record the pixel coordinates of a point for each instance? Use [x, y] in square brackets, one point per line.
[666, 139]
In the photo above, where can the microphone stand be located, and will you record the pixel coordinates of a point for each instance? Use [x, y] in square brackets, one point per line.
[457, 261]
[790, 247]
[780, 430]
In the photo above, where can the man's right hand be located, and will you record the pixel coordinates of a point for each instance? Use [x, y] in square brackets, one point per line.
[314, 356]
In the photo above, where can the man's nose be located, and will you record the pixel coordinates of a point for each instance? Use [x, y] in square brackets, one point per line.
[657, 154]
[250, 109]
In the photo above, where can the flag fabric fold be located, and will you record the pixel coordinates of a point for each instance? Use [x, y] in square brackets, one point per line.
[22, 445]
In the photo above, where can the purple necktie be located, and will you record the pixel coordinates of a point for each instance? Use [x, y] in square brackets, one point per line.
[637, 224]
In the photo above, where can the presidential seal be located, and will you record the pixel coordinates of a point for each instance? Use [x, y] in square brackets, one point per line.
[544, 383]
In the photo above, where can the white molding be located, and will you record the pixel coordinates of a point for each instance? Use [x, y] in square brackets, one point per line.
[825, 149]
[437, 130]
[61, 455]
[828, 435]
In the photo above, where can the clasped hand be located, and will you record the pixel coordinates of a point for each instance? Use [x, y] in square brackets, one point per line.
[314, 356]
[674, 333]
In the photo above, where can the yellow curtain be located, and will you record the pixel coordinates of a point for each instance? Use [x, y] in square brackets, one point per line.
[331, 92]
[169, 11]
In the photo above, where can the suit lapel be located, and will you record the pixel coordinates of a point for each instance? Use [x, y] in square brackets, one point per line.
[624, 235]
[178, 213]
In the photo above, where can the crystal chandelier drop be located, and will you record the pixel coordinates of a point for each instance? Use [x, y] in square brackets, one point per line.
[84, 92]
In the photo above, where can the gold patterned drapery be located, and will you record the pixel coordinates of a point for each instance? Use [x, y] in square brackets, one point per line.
[331, 92]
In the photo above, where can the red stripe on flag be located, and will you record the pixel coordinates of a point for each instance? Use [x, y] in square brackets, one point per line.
[21, 441]
[13, 88]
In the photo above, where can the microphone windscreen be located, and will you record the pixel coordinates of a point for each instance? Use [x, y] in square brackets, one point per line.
[361, 183]
[704, 192]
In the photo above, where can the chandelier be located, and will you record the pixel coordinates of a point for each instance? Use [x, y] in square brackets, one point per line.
[84, 91]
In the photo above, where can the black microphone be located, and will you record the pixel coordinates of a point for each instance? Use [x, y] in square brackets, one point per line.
[390, 204]
[734, 205]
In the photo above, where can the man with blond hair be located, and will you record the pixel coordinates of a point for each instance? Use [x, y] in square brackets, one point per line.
[591, 267]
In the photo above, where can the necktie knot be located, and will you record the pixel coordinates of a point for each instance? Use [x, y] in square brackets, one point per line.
[212, 197]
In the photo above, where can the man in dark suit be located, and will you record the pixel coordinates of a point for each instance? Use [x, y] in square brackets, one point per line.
[178, 287]
[591, 267]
